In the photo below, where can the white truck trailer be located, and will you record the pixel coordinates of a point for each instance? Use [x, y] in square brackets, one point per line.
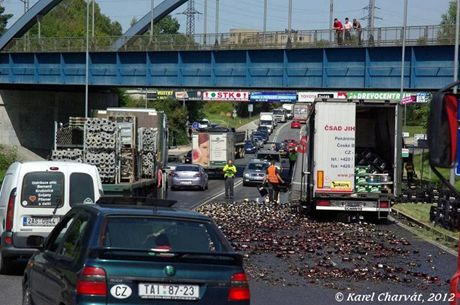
[267, 119]
[353, 161]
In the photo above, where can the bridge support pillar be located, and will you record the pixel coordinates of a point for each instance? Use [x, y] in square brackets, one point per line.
[27, 117]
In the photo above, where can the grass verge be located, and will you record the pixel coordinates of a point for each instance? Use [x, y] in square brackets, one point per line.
[414, 129]
[222, 120]
[421, 212]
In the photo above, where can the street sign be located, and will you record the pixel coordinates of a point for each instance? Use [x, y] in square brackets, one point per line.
[287, 97]
[195, 125]
[250, 107]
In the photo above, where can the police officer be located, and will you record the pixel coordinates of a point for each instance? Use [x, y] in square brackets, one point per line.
[274, 180]
[229, 175]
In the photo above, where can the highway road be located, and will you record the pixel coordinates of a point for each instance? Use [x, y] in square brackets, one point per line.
[293, 289]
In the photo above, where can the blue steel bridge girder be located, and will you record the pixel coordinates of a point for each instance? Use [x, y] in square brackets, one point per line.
[377, 68]
[26, 21]
[140, 27]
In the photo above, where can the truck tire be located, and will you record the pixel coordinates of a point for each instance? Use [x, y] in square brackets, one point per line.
[5, 264]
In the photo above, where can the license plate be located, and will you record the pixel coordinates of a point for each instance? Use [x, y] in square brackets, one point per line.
[186, 182]
[31, 221]
[354, 206]
[169, 291]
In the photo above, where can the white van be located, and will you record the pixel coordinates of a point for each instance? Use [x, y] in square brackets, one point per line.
[33, 198]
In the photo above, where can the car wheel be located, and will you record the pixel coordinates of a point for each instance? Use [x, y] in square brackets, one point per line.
[5, 264]
[245, 183]
[26, 298]
[173, 188]
[206, 187]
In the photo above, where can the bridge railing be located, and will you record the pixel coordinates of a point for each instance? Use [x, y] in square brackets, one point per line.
[241, 40]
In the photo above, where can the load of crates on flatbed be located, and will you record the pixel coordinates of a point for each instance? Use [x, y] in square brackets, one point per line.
[125, 145]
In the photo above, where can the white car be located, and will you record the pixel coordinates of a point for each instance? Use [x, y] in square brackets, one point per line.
[35, 196]
[204, 123]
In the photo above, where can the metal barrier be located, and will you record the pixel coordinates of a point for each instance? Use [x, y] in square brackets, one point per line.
[241, 40]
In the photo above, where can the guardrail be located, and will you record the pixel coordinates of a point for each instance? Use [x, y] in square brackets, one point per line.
[243, 40]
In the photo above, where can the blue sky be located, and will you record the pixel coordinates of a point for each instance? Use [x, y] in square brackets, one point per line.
[307, 14]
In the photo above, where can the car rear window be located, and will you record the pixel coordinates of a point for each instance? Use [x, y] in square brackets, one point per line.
[187, 169]
[147, 233]
[42, 190]
[257, 166]
[269, 157]
[81, 189]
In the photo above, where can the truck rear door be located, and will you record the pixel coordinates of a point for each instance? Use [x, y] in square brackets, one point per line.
[334, 147]
[219, 149]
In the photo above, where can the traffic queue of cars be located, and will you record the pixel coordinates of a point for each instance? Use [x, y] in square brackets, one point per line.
[87, 248]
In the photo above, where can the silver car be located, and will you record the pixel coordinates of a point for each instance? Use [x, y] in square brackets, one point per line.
[189, 176]
[255, 171]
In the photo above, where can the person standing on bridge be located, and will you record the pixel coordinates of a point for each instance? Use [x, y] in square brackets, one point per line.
[359, 30]
[348, 27]
[274, 180]
[229, 175]
[338, 27]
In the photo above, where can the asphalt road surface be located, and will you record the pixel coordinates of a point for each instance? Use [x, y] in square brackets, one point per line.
[297, 291]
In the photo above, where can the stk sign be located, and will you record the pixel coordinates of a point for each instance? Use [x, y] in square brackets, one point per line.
[237, 96]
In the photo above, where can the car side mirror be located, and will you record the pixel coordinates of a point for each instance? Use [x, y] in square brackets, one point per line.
[35, 241]
[443, 129]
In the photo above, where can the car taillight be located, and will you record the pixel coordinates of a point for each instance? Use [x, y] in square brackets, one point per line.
[92, 281]
[198, 175]
[10, 211]
[239, 288]
[383, 204]
[323, 203]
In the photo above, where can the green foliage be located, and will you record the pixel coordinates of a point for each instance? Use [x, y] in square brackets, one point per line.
[418, 114]
[167, 25]
[3, 19]
[447, 32]
[7, 156]
[68, 19]
[177, 116]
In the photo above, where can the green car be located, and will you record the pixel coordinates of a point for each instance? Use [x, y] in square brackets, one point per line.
[130, 251]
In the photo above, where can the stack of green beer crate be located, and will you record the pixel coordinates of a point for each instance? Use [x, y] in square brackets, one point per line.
[367, 181]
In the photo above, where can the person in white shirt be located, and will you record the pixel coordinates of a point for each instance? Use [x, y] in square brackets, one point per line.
[348, 26]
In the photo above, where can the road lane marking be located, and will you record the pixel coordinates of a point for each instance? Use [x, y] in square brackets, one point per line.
[278, 131]
[195, 206]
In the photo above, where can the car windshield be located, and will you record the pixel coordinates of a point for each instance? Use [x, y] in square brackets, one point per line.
[160, 234]
[269, 157]
[257, 166]
[248, 143]
[187, 169]
[204, 122]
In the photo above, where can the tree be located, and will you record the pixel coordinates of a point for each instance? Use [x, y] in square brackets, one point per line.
[447, 31]
[167, 25]
[3, 19]
[68, 19]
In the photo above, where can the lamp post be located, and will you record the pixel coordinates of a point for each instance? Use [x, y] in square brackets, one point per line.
[265, 15]
[152, 6]
[457, 32]
[205, 25]
[403, 58]
[87, 59]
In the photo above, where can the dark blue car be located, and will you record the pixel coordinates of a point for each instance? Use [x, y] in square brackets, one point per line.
[249, 147]
[122, 251]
